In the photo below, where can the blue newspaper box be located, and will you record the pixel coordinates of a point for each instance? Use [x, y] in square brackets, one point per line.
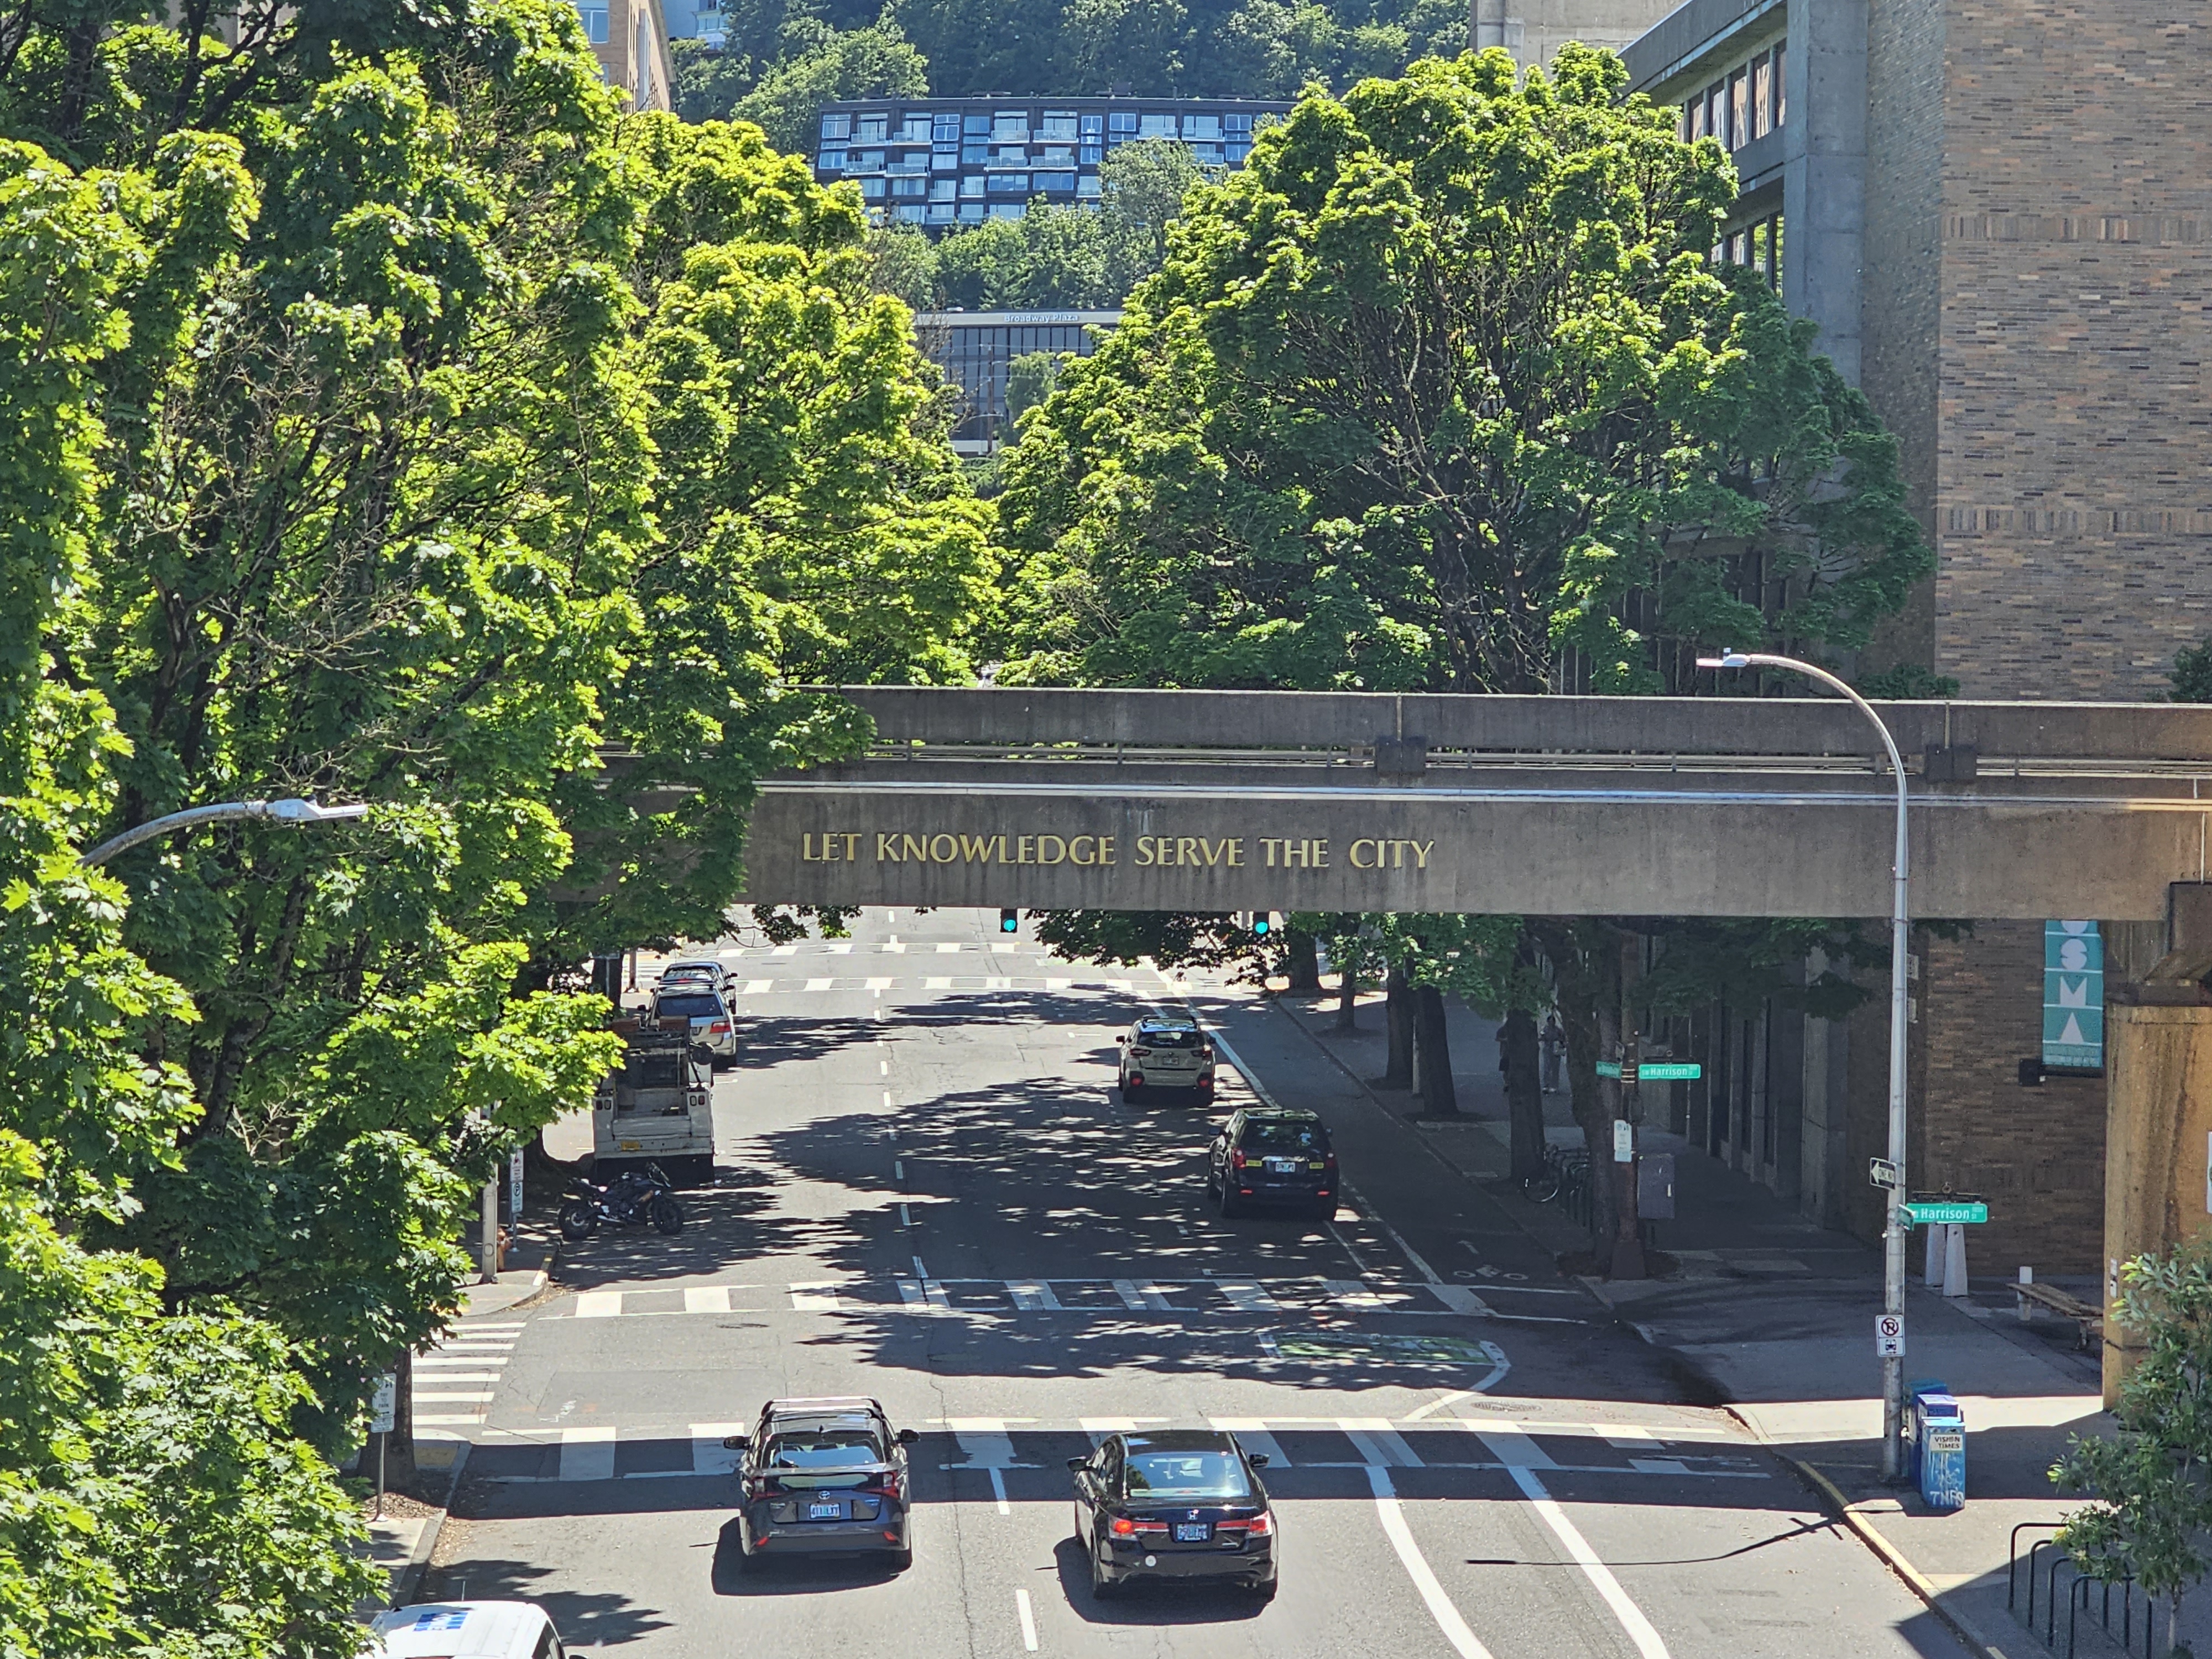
[1939, 1445]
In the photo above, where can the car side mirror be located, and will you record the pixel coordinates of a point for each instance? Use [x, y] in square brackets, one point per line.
[1120, 1039]
[1257, 1459]
[1079, 1464]
[733, 1442]
[906, 1436]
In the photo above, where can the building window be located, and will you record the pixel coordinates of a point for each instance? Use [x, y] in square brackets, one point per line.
[1155, 126]
[1716, 111]
[1089, 155]
[909, 187]
[1011, 126]
[944, 160]
[876, 128]
[1087, 185]
[595, 23]
[1739, 117]
[974, 156]
[838, 127]
[1093, 125]
[1774, 251]
[976, 126]
[940, 213]
[971, 213]
[1762, 95]
[1208, 154]
[1207, 127]
[972, 185]
[871, 190]
[1016, 155]
[944, 130]
[1233, 125]
[1123, 124]
[831, 160]
[1781, 93]
[1006, 209]
[1057, 184]
[917, 128]
[944, 190]
[1058, 123]
[865, 160]
[1008, 184]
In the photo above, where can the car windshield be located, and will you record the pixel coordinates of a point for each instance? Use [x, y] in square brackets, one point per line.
[1263, 1136]
[1177, 1037]
[695, 1005]
[825, 1449]
[1186, 1475]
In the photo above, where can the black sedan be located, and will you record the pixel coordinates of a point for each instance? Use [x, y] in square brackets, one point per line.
[1178, 1504]
[823, 1474]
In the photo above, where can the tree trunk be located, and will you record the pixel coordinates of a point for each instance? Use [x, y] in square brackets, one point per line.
[1398, 1009]
[1302, 961]
[399, 1447]
[1524, 1091]
[1348, 1001]
[1585, 962]
[1433, 1049]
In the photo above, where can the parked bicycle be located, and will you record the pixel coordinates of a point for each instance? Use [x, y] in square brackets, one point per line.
[1564, 1168]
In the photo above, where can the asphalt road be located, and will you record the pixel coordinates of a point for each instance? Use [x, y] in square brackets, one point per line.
[930, 1192]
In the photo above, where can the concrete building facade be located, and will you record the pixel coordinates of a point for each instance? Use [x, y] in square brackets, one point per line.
[1533, 31]
[1999, 213]
[630, 39]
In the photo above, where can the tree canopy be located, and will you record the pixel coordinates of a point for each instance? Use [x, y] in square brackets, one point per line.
[396, 420]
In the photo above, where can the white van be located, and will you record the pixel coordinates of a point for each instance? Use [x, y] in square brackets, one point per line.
[468, 1629]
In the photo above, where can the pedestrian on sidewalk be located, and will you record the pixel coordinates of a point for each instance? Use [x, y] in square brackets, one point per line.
[1553, 1039]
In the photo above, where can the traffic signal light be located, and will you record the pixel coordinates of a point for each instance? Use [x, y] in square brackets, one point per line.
[1010, 921]
[1263, 922]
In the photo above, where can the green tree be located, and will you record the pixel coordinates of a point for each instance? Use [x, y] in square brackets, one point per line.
[2192, 673]
[1419, 399]
[822, 65]
[2151, 1487]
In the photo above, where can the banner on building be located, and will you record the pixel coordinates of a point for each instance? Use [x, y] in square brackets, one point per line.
[2073, 997]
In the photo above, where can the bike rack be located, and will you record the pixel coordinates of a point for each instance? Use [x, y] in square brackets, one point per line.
[2077, 1593]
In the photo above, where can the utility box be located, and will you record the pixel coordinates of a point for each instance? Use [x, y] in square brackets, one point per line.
[1939, 1448]
[1655, 1187]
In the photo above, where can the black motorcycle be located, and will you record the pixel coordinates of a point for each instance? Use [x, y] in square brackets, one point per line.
[635, 1198]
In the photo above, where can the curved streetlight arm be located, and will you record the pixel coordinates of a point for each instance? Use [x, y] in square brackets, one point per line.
[289, 811]
[1893, 1287]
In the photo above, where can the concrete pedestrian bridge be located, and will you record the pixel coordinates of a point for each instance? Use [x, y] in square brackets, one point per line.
[1223, 800]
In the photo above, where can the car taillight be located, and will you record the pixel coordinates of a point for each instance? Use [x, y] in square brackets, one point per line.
[1146, 1528]
[1141, 1054]
[763, 1486]
[887, 1484]
[1259, 1526]
[1122, 1526]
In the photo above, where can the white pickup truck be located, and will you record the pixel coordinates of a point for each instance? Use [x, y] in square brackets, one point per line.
[659, 1106]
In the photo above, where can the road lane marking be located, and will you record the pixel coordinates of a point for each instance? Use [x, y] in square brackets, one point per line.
[708, 1454]
[1600, 1576]
[1376, 1442]
[814, 1296]
[1032, 1295]
[883, 1068]
[937, 985]
[706, 1298]
[1464, 1640]
[442, 1398]
[841, 947]
[1134, 1295]
[921, 1272]
[587, 1454]
[1252, 1434]
[785, 950]
[948, 950]
[1246, 1297]
[1508, 1444]
[879, 985]
[999, 1490]
[985, 1443]
[600, 1304]
[755, 987]
[905, 1220]
[423, 1377]
[1027, 1619]
[1451, 1399]
[820, 984]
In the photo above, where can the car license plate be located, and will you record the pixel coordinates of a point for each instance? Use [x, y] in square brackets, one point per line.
[629, 1146]
[1282, 1166]
[824, 1511]
[1192, 1531]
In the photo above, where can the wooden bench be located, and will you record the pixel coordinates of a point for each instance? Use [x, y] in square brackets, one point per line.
[2088, 1322]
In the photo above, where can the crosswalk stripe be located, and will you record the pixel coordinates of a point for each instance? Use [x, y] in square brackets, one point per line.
[446, 1421]
[1032, 1295]
[587, 1454]
[879, 985]
[819, 1296]
[1252, 1433]
[755, 987]
[984, 1441]
[1246, 1297]
[600, 1304]
[708, 1454]
[423, 1377]
[1509, 1446]
[1376, 1442]
[706, 1298]
[442, 1398]
[819, 984]
[1141, 1296]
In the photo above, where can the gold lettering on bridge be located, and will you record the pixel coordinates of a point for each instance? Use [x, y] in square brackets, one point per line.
[1300, 853]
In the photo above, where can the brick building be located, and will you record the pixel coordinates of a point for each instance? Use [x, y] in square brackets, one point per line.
[2000, 215]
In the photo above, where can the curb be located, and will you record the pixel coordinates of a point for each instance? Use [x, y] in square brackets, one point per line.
[408, 1581]
[1890, 1555]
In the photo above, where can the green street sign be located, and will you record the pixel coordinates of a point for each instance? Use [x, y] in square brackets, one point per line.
[1671, 1071]
[1928, 1212]
[1608, 1069]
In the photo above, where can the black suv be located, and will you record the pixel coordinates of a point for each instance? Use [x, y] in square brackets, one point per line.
[1273, 1156]
[823, 1474]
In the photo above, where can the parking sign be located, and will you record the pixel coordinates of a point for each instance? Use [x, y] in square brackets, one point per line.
[1889, 1336]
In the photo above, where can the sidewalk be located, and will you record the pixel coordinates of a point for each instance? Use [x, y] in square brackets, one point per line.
[1772, 1316]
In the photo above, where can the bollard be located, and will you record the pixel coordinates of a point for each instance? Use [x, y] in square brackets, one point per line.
[1954, 1262]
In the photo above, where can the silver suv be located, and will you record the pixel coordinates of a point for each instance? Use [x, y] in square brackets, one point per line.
[1166, 1053]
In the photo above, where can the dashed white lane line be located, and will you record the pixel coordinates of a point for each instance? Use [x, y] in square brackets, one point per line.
[1464, 1640]
[1029, 1620]
[1600, 1576]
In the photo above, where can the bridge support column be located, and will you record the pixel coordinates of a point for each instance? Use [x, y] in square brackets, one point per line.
[2158, 1125]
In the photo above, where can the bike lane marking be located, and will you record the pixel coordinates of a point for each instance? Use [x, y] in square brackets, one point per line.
[1464, 1641]
[1631, 1616]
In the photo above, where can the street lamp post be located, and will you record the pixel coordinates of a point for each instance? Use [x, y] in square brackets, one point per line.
[293, 810]
[1893, 1276]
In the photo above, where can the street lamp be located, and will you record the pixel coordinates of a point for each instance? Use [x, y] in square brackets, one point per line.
[1893, 1276]
[293, 811]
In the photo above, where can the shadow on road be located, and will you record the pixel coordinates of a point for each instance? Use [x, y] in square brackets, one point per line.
[1150, 1604]
[585, 1621]
[794, 1575]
